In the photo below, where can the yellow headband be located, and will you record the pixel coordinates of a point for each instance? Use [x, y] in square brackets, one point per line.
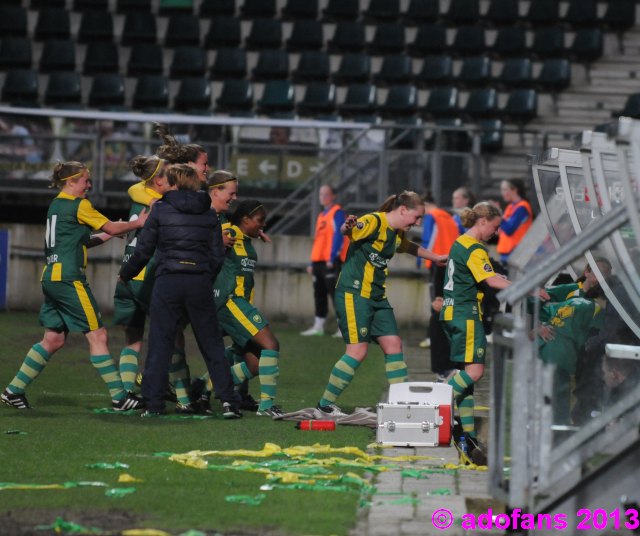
[74, 175]
[222, 182]
[257, 208]
[160, 161]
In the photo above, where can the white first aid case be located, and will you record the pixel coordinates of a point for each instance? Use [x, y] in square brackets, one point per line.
[418, 414]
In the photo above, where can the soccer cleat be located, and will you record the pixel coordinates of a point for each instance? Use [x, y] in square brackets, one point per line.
[444, 377]
[312, 332]
[146, 414]
[273, 412]
[249, 403]
[131, 401]
[186, 409]
[203, 405]
[476, 451]
[198, 387]
[15, 401]
[426, 343]
[332, 409]
[337, 334]
[230, 411]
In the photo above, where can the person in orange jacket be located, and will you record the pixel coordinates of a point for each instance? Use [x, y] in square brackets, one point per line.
[517, 217]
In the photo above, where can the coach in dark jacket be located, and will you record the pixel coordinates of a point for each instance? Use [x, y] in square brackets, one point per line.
[185, 235]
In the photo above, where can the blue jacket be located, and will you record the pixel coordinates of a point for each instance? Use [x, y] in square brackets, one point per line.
[185, 234]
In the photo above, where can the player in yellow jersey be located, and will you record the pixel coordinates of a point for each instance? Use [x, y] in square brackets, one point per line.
[363, 311]
[69, 305]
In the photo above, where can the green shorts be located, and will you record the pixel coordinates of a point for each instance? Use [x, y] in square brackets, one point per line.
[69, 306]
[361, 319]
[131, 303]
[467, 338]
[240, 320]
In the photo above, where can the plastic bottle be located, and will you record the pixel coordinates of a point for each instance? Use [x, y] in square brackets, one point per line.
[316, 425]
[463, 446]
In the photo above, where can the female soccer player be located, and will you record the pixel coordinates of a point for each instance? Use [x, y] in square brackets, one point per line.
[69, 305]
[363, 310]
[461, 314]
[239, 318]
[131, 302]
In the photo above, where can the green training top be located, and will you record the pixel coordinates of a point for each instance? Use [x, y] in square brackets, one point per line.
[373, 243]
[236, 276]
[70, 221]
[468, 266]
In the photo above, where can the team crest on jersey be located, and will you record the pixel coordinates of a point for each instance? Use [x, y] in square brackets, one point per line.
[487, 267]
[257, 319]
[356, 284]
[363, 332]
[360, 225]
[480, 352]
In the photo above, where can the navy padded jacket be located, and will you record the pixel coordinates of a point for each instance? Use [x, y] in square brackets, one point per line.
[185, 234]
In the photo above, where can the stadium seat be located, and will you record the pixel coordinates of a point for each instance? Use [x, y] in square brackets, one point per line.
[52, 23]
[341, 10]
[139, 27]
[39, 4]
[15, 53]
[348, 37]
[182, 30]
[101, 57]
[229, 63]
[587, 45]
[175, 7]
[271, 65]
[353, 68]
[631, 107]
[548, 42]
[194, 96]
[90, 5]
[306, 35]
[256, 9]
[620, 15]
[264, 33]
[63, 88]
[130, 6]
[421, 12]
[429, 39]
[516, 72]
[278, 96]
[463, 12]
[401, 101]
[13, 21]
[555, 75]
[145, 58]
[188, 61]
[319, 98]
[95, 26]
[151, 93]
[449, 137]
[581, 13]
[492, 135]
[468, 41]
[482, 102]
[58, 55]
[502, 13]
[543, 13]
[436, 70]
[20, 87]
[236, 96]
[359, 100]
[388, 38]
[107, 90]
[441, 103]
[300, 10]
[395, 70]
[475, 72]
[223, 32]
[521, 106]
[313, 65]
[510, 42]
[382, 10]
[217, 8]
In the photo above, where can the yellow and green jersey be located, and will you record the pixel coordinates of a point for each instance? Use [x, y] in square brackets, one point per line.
[373, 243]
[141, 198]
[467, 267]
[70, 221]
[236, 276]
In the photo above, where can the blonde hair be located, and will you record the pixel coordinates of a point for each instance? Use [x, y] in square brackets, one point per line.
[219, 178]
[469, 216]
[174, 151]
[183, 177]
[146, 167]
[64, 171]
[407, 199]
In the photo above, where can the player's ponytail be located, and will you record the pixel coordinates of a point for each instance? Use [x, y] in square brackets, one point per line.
[64, 171]
[406, 199]
[469, 216]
